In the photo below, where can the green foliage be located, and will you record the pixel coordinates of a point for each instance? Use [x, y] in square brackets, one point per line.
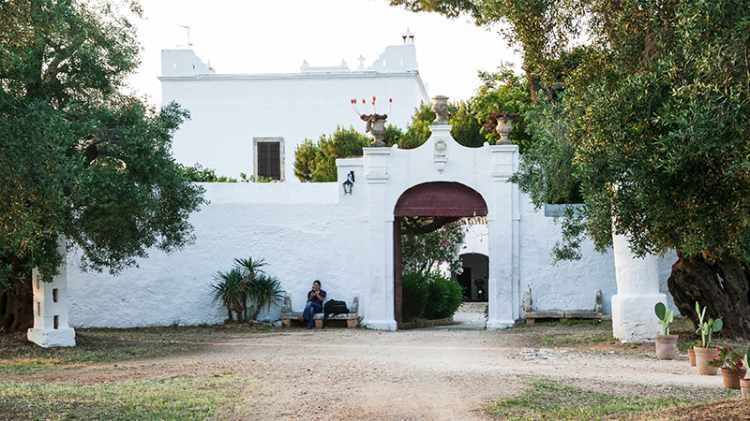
[264, 291]
[317, 161]
[200, 174]
[655, 101]
[79, 160]
[665, 316]
[728, 358]
[416, 291]
[246, 286]
[472, 125]
[444, 299]
[503, 91]
[177, 397]
[706, 328]
[550, 400]
[430, 295]
[230, 289]
[422, 253]
[546, 171]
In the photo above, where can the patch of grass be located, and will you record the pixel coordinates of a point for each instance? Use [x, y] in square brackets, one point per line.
[18, 356]
[178, 398]
[549, 400]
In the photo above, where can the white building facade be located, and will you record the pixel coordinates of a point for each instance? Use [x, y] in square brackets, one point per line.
[348, 240]
[252, 123]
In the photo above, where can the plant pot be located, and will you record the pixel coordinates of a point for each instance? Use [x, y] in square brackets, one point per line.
[703, 359]
[691, 357]
[666, 347]
[731, 377]
[745, 387]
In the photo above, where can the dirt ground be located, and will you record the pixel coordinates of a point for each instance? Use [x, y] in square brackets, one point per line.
[434, 374]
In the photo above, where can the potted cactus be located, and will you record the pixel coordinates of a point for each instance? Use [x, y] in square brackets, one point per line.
[666, 344]
[691, 353]
[732, 367]
[745, 382]
[706, 353]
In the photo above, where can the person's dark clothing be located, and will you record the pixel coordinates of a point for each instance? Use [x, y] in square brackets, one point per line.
[311, 297]
[314, 305]
[310, 309]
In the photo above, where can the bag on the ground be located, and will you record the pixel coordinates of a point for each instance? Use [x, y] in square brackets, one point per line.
[335, 307]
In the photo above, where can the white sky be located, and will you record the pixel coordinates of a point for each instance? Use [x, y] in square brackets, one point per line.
[259, 36]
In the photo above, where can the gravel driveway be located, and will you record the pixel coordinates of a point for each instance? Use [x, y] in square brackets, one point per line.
[419, 374]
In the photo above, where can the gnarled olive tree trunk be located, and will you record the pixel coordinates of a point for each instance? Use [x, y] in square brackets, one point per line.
[16, 307]
[722, 286]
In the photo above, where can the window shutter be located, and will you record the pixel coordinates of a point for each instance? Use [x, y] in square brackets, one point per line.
[269, 160]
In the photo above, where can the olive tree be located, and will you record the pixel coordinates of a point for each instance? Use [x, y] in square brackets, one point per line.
[653, 98]
[80, 161]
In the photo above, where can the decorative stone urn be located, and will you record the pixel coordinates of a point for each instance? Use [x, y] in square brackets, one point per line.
[504, 127]
[376, 127]
[440, 108]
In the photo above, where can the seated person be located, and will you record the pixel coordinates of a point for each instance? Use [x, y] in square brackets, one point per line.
[315, 299]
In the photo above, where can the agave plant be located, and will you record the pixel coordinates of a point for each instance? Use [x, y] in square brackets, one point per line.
[231, 290]
[264, 291]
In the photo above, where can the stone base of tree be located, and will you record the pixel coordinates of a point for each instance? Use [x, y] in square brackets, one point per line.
[633, 317]
[52, 338]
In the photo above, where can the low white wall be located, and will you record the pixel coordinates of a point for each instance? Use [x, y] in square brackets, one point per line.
[568, 285]
[306, 232]
[300, 243]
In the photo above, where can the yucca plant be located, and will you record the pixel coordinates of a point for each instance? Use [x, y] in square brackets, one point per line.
[245, 284]
[231, 290]
[264, 291]
[251, 268]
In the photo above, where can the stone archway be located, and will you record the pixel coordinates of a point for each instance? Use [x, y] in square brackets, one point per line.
[383, 175]
[431, 199]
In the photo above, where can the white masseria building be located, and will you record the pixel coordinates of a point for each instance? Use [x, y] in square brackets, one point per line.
[306, 231]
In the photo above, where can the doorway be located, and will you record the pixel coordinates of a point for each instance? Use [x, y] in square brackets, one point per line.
[438, 203]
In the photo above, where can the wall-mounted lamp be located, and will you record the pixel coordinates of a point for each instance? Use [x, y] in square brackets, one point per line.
[349, 183]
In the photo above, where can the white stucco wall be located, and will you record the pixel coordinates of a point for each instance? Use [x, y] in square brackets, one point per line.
[229, 110]
[299, 241]
[313, 231]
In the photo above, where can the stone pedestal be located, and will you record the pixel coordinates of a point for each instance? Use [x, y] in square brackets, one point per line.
[51, 327]
[633, 318]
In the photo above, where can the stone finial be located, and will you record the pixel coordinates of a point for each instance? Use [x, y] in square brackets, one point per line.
[440, 108]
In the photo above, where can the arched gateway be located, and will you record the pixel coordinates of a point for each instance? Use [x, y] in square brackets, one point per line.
[439, 178]
[434, 199]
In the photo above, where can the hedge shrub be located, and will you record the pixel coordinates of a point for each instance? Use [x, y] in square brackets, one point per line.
[444, 299]
[416, 291]
[430, 296]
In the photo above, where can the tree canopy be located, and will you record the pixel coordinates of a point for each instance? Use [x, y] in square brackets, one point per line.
[645, 104]
[80, 160]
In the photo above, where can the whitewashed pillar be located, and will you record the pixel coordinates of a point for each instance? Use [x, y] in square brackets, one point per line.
[633, 318]
[379, 288]
[501, 291]
[50, 303]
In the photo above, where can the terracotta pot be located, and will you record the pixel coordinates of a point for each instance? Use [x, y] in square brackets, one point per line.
[703, 358]
[666, 347]
[745, 387]
[731, 377]
[691, 357]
